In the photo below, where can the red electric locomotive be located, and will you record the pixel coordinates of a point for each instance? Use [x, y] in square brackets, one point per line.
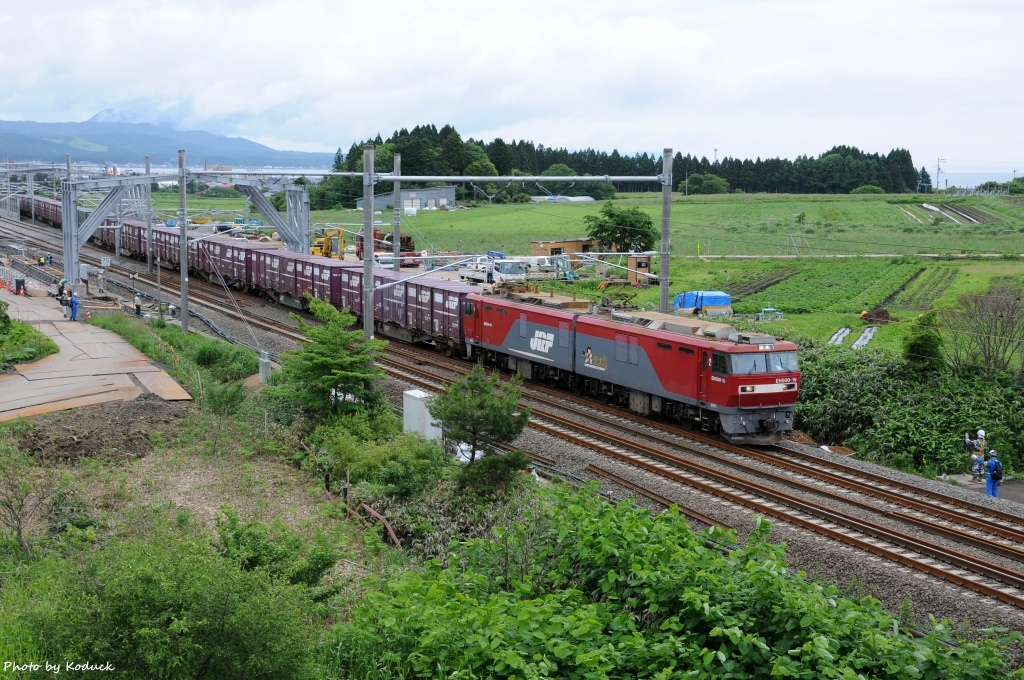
[742, 386]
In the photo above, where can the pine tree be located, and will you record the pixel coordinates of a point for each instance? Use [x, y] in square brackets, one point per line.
[333, 372]
[481, 411]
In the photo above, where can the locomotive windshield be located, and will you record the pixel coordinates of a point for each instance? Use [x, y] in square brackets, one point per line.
[774, 362]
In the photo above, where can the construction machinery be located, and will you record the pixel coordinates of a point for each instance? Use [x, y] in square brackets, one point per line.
[382, 244]
[330, 244]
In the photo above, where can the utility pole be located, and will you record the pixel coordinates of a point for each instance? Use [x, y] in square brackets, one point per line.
[666, 226]
[183, 236]
[368, 242]
[397, 200]
[938, 169]
[149, 223]
[68, 158]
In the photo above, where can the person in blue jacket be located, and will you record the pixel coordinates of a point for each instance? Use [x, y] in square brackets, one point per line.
[74, 306]
[995, 474]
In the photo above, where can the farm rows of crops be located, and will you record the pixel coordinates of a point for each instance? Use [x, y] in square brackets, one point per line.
[822, 287]
[921, 296]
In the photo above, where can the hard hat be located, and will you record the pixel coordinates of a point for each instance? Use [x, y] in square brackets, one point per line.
[993, 454]
[981, 433]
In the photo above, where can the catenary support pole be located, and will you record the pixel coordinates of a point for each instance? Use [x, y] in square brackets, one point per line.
[183, 232]
[68, 158]
[368, 242]
[396, 199]
[149, 223]
[666, 228]
[32, 193]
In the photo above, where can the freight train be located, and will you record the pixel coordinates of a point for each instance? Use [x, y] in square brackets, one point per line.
[743, 386]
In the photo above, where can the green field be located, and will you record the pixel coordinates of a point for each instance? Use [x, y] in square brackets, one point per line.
[830, 256]
[730, 224]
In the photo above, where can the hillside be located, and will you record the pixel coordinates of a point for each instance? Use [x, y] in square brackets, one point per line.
[95, 141]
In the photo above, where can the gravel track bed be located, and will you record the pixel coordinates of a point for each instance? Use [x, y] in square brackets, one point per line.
[827, 561]
[952, 490]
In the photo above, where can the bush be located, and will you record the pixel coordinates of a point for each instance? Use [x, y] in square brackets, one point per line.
[868, 189]
[876, 403]
[368, 445]
[170, 608]
[492, 474]
[20, 342]
[612, 591]
[274, 548]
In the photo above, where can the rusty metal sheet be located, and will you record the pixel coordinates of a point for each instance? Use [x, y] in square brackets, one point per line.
[163, 386]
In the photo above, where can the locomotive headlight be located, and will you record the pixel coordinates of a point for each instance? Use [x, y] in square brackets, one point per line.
[790, 386]
[747, 388]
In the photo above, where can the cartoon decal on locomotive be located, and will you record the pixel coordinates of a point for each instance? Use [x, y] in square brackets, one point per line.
[683, 369]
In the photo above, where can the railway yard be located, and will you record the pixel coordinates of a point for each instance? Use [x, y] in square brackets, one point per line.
[937, 548]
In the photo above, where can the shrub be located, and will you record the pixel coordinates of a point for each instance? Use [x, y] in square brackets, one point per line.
[170, 608]
[610, 591]
[274, 548]
[405, 465]
[868, 189]
[492, 474]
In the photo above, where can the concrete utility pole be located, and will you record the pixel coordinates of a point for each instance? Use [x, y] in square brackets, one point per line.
[183, 231]
[397, 245]
[368, 242]
[149, 223]
[68, 158]
[666, 227]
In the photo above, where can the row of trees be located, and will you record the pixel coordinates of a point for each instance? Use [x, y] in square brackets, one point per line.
[426, 150]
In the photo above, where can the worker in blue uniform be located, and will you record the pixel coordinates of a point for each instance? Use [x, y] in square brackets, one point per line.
[995, 474]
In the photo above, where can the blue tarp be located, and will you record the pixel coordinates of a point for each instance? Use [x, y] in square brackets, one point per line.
[701, 298]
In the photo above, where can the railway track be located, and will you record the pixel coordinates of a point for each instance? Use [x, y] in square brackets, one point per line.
[208, 294]
[962, 566]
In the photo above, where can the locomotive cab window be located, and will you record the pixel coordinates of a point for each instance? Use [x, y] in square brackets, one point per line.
[783, 362]
[748, 364]
[719, 363]
[773, 362]
[468, 308]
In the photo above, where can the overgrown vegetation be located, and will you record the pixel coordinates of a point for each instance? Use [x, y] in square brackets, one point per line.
[577, 588]
[20, 342]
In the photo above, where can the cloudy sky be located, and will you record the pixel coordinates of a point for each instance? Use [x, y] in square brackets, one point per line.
[774, 78]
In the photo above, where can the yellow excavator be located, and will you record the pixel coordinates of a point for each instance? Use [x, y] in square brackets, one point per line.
[330, 244]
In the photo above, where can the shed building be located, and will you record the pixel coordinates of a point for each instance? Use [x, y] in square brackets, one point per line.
[566, 247]
[416, 199]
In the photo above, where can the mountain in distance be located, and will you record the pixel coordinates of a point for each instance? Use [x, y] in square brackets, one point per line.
[103, 139]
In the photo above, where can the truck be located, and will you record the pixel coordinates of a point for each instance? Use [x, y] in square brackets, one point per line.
[382, 244]
[550, 267]
[487, 269]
